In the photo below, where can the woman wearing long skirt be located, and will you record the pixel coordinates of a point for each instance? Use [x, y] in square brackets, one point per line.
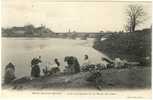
[35, 71]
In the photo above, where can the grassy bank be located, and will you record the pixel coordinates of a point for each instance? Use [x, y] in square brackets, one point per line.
[129, 78]
[134, 46]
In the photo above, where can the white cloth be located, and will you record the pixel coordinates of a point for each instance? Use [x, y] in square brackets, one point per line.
[86, 62]
[118, 62]
[44, 66]
[104, 63]
[49, 68]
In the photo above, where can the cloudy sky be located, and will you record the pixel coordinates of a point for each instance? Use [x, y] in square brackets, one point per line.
[62, 16]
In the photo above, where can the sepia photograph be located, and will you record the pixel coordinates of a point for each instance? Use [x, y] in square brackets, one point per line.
[83, 46]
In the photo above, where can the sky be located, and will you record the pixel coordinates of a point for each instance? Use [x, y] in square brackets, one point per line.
[76, 16]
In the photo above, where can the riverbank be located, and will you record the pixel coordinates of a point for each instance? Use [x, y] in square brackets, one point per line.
[127, 78]
[131, 46]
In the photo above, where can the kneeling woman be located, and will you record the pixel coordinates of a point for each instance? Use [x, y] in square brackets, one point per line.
[52, 69]
[9, 73]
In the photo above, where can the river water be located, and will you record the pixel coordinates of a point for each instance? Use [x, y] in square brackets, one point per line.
[20, 52]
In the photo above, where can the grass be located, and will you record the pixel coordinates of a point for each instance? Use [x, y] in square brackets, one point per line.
[135, 46]
[127, 78]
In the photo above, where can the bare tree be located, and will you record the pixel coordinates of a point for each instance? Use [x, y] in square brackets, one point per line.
[135, 16]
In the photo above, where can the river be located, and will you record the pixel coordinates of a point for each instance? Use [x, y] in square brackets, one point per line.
[20, 52]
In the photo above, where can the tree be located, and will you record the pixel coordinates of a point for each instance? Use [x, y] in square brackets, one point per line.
[135, 16]
[29, 29]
